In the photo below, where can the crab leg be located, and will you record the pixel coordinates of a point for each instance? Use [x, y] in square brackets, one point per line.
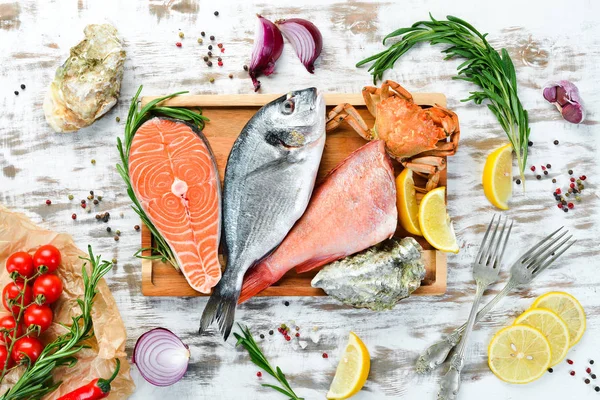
[428, 167]
[346, 112]
[385, 88]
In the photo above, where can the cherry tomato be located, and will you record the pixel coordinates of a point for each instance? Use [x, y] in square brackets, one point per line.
[37, 315]
[13, 291]
[26, 348]
[7, 323]
[20, 263]
[47, 289]
[4, 357]
[48, 256]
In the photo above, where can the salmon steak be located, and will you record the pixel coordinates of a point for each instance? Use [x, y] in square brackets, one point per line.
[353, 209]
[175, 178]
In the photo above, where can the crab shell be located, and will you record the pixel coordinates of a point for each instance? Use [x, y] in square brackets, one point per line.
[406, 128]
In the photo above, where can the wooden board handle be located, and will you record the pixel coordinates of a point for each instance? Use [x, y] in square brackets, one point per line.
[259, 100]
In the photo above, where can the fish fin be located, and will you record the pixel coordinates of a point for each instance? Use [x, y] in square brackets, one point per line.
[256, 280]
[221, 308]
[317, 262]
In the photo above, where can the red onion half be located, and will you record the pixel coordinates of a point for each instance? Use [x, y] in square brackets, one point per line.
[161, 357]
[268, 45]
[304, 37]
[565, 96]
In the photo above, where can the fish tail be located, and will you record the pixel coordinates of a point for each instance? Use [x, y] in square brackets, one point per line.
[220, 308]
[256, 280]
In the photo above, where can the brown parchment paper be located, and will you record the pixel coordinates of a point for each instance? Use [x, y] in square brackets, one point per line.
[18, 233]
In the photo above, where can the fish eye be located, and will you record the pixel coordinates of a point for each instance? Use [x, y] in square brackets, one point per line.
[287, 107]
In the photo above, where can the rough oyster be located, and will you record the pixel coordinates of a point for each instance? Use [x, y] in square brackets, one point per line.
[87, 85]
[376, 278]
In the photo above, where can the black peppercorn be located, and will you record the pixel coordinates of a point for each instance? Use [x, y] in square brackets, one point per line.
[518, 181]
[593, 376]
[591, 362]
[219, 59]
[108, 229]
[210, 53]
[570, 172]
[202, 33]
[205, 58]
[210, 46]
[556, 142]
[262, 336]
[209, 63]
[271, 332]
[550, 370]
[530, 143]
[587, 381]
[565, 209]
[216, 13]
[553, 180]
[548, 166]
[545, 172]
[597, 388]
[16, 92]
[245, 68]
[538, 177]
[212, 37]
[287, 303]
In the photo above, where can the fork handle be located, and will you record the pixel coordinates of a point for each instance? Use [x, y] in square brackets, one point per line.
[437, 353]
[450, 382]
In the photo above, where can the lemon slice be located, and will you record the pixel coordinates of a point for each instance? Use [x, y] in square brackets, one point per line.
[568, 309]
[519, 354]
[552, 326]
[435, 222]
[352, 370]
[406, 200]
[497, 177]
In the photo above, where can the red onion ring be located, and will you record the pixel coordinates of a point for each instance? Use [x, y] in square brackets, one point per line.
[305, 38]
[161, 357]
[268, 46]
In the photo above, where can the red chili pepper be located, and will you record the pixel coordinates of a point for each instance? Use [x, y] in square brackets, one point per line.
[96, 389]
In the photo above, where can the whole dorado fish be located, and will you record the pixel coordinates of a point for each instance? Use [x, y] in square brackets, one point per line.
[377, 278]
[354, 208]
[269, 178]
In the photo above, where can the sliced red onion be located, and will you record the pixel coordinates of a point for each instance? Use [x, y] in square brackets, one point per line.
[304, 37]
[565, 96]
[268, 45]
[161, 357]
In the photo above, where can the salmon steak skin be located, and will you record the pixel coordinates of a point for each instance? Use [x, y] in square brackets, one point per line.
[174, 177]
[353, 209]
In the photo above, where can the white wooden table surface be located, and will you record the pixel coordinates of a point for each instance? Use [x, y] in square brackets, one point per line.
[547, 40]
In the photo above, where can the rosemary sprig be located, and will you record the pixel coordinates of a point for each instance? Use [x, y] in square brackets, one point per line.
[493, 72]
[135, 119]
[258, 358]
[36, 381]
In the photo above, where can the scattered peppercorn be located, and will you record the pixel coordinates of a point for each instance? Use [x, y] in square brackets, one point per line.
[271, 332]
[553, 180]
[558, 191]
[570, 172]
[572, 373]
[137, 227]
[597, 388]
[593, 376]
[99, 198]
[73, 216]
[530, 143]
[572, 179]
[200, 40]
[591, 362]
[548, 166]
[71, 197]
[209, 53]
[583, 177]
[559, 205]
[538, 177]
[297, 334]
[533, 168]
[587, 381]
[245, 68]
[22, 86]
[556, 142]
[588, 370]
[105, 217]
[118, 232]
[203, 34]
[565, 209]
[98, 216]
[181, 35]
[178, 44]
[325, 355]
[543, 168]
[114, 260]
[220, 63]
[550, 370]
[116, 238]
[220, 45]
[118, 119]
[212, 37]
[209, 63]
[230, 76]
[570, 205]
[262, 336]
[16, 92]
[93, 161]
[108, 229]
[572, 185]
[216, 13]
[96, 202]
[545, 172]
[259, 374]
[286, 303]
[90, 197]
[48, 202]
[518, 181]
[222, 49]
[210, 46]
[212, 80]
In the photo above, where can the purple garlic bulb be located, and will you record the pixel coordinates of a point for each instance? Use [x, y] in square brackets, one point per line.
[565, 96]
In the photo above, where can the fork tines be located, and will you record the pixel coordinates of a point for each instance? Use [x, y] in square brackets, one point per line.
[492, 250]
[543, 253]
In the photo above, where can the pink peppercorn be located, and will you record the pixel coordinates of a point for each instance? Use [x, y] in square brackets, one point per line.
[533, 167]
[558, 191]
[178, 44]
[570, 205]
[325, 355]
[74, 216]
[588, 370]
[259, 374]
[572, 179]
[583, 177]
[572, 373]
[48, 202]
[560, 205]
[570, 362]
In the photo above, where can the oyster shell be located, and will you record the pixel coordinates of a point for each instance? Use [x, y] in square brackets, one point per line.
[87, 85]
[376, 278]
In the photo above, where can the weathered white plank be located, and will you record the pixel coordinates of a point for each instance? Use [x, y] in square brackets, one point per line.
[37, 164]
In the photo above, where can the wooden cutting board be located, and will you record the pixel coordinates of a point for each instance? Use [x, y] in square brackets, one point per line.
[228, 114]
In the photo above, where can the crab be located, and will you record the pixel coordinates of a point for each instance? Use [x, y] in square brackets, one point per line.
[419, 138]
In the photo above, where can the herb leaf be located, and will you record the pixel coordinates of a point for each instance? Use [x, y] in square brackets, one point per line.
[258, 358]
[135, 119]
[492, 71]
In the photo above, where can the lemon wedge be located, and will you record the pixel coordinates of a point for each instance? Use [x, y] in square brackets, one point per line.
[552, 326]
[352, 370]
[435, 222]
[497, 177]
[568, 309]
[519, 354]
[406, 200]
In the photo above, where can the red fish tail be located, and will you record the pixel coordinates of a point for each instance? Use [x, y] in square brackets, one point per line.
[256, 280]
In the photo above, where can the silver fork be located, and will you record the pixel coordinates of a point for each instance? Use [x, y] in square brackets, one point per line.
[522, 272]
[486, 268]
